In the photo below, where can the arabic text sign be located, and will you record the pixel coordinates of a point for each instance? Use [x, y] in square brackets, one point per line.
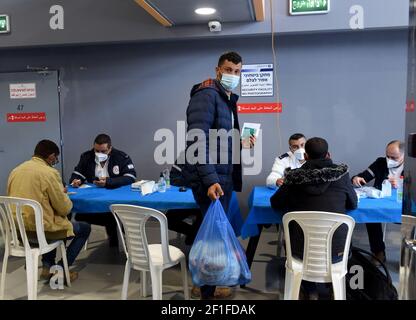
[257, 80]
[22, 90]
[309, 6]
[26, 117]
[262, 107]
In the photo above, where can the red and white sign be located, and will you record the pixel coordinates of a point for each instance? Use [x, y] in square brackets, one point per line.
[410, 106]
[26, 117]
[262, 107]
[22, 90]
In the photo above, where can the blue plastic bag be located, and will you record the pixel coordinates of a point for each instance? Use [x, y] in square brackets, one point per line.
[216, 257]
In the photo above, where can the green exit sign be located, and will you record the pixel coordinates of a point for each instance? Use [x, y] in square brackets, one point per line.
[298, 7]
[4, 23]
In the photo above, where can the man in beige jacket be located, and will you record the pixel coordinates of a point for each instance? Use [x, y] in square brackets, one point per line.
[36, 179]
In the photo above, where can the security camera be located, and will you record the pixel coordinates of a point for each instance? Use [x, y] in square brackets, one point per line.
[214, 26]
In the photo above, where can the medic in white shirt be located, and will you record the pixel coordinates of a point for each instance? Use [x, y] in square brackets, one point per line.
[292, 159]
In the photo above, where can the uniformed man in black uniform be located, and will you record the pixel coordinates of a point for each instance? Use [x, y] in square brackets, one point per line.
[389, 168]
[105, 167]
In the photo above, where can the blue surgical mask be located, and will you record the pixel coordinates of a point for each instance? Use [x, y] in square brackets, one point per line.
[229, 81]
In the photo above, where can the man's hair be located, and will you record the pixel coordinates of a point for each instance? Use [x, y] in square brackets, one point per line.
[232, 56]
[399, 143]
[45, 148]
[297, 136]
[103, 138]
[316, 148]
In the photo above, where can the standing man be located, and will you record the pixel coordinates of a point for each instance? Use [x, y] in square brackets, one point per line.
[36, 179]
[106, 167]
[213, 106]
[293, 159]
[391, 168]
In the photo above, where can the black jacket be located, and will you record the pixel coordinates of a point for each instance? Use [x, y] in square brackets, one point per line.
[378, 171]
[120, 169]
[210, 108]
[319, 185]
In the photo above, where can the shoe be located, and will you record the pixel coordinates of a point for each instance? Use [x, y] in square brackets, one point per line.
[223, 293]
[380, 256]
[220, 293]
[195, 292]
[73, 275]
[45, 274]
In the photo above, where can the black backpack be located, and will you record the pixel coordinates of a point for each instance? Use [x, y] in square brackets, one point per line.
[377, 285]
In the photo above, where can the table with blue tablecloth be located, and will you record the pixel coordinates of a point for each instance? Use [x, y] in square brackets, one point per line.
[384, 210]
[96, 200]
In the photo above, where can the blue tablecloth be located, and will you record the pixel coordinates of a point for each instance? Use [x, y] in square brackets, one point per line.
[369, 210]
[98, 200]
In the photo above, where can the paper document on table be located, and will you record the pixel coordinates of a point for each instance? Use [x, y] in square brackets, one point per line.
[147, 187]
[83, 186]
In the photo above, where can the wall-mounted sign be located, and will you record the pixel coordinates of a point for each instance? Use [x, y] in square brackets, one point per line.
[259, 107]
[26, 117]
[299, 7]
[4, 23]
[257, 80]
[22, 90]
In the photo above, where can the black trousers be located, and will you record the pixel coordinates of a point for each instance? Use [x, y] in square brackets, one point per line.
[176, 222]
[375, 237]
[204, 202]
[106, 220]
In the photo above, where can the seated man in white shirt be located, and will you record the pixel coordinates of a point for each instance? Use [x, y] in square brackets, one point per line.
[293, 159]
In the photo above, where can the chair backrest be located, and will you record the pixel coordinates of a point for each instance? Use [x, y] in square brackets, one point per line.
[10, 205]
[133, 219]
[318, 228]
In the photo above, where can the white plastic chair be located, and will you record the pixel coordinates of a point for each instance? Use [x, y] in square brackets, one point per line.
[318, 229]
[16, 248]
[407, 253]
[153, 258]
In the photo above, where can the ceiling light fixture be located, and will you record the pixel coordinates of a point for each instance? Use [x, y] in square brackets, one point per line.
[205, 11]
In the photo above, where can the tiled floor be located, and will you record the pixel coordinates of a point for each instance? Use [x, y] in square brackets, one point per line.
[101, 270]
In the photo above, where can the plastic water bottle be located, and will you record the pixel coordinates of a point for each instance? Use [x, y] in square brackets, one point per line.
[386, 188]
[161, 186]
[166, 176]
[400, 189]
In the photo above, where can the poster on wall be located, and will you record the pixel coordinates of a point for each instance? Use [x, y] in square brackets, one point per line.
[22, 90]
[257, 80]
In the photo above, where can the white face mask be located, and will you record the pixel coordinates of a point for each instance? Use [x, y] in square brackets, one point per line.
[392, 163]
[101, 157]
[300, 154]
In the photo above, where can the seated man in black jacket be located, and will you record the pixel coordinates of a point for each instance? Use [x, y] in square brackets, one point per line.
[319, 185]
[106, 167]
[391, 168]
